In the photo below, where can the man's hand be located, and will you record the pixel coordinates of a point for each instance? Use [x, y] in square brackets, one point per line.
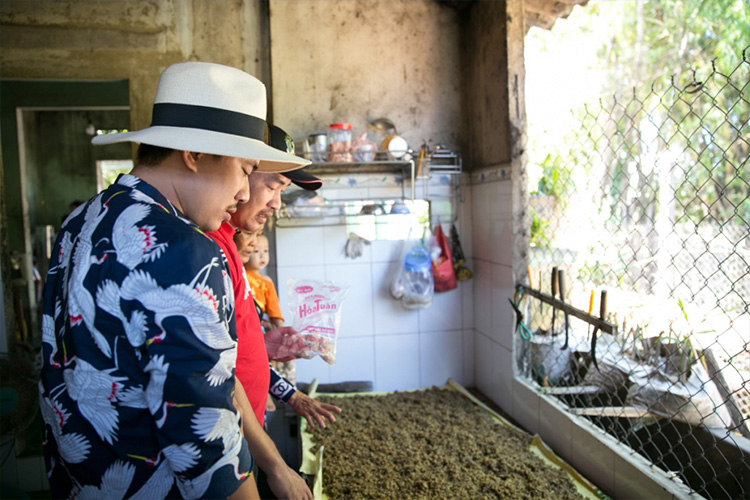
[289, 484]
[277, 341]
[314, 411]
[285, 344]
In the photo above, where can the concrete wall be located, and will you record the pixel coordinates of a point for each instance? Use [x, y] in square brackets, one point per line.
[131, 40]
[355, 61]
[487, 80]
[332, 61]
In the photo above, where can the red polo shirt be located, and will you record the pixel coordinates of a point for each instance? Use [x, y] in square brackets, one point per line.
[252, 359]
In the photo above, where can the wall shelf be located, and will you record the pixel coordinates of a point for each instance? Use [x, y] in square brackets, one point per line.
[440, 162]
[335, 212]
[405, 168]
[367, 167]
[356, 208]
[362, 216]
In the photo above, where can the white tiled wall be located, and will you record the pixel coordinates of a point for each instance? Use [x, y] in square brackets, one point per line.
[379, 340]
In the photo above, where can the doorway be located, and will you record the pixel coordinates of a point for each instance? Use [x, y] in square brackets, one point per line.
[49, 162]
[60, 169]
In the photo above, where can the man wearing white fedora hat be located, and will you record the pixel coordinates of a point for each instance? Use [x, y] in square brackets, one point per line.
[137, 386]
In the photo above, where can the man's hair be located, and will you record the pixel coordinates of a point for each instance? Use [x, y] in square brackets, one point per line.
[152, 155]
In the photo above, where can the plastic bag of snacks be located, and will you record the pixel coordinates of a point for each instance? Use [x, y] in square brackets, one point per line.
[315, 311]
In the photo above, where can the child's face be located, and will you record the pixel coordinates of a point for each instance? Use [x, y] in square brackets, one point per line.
[245, 241]
[259, 256]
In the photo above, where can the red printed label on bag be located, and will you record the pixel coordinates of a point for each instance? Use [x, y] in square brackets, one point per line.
[316, 315]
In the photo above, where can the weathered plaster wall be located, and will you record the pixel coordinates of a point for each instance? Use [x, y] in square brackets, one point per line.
[354, 61]
[332, 61]
[487, 83]
[128, 39]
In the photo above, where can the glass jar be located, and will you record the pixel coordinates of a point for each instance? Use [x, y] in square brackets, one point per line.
[340, 142]
[318, 147]
[417, 280]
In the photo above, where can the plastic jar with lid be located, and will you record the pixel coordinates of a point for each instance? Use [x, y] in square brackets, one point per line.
[340, 142]
[417, 280]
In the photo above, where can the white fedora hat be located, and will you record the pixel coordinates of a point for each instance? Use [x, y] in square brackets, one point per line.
[210, 108]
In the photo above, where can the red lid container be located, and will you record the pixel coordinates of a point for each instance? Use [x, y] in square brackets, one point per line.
[340, 142]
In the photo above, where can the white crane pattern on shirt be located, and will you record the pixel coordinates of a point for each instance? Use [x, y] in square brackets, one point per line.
[139, 351]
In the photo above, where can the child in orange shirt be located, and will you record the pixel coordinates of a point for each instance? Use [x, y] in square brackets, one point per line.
[261, 285]
[253, 249]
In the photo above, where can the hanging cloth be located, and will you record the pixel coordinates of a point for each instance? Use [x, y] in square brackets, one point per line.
[463, 273]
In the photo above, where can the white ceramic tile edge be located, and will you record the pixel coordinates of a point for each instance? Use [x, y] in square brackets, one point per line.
[492, 174]
[656, 476]
[526, 407]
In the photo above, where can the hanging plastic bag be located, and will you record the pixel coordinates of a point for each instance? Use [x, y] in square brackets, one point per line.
[418, 281]
[397, 272]
[443, 271]
[315, 310]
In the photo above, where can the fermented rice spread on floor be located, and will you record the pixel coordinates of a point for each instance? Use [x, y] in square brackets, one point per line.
[432, 444]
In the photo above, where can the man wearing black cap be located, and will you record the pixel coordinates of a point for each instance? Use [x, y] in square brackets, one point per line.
[252, 368]
[246, 220]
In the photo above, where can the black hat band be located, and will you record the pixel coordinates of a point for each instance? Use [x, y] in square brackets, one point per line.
[207, 118]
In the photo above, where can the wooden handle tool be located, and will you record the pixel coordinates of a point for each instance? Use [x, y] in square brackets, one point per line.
[561, 289]
[602, 315]
[554, 292]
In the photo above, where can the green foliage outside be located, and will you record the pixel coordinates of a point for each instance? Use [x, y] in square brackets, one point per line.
[673, 88]
[109, 176]
[556, 178]
[538, 231]
[686, 51]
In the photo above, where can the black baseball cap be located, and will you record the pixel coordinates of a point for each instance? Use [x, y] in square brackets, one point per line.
[282, 141]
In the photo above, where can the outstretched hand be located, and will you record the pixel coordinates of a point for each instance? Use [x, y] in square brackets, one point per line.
[278, 343]
[313, 410]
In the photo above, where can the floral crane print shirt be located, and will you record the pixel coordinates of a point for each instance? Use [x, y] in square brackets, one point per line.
[139, 349]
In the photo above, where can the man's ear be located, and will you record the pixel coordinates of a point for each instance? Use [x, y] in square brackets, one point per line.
[191, 159]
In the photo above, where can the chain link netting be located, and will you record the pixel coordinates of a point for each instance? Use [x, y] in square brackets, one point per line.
[647, 205]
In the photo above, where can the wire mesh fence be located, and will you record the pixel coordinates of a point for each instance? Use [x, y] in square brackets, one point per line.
[647, 206]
